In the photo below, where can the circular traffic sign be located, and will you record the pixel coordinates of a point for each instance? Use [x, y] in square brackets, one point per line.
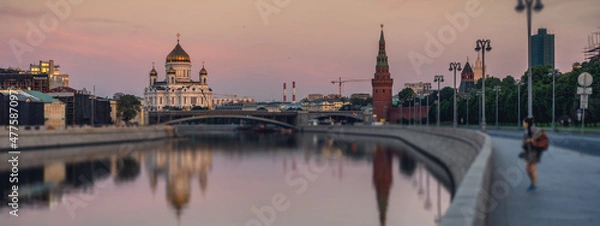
[585, 79]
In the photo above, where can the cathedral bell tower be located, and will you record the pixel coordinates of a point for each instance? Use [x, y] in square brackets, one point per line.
[382, 83]
[153, 75]
[203, 75]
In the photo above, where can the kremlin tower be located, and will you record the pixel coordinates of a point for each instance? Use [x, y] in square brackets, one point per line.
[382, 83]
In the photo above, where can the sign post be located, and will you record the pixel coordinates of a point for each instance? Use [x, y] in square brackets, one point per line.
[585, 81]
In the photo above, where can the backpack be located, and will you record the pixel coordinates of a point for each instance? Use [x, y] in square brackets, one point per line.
[542, 142]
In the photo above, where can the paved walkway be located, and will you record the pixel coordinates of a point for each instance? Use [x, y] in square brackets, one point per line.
[568, 188]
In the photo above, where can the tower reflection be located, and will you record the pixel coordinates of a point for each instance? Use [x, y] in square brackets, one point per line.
[382, 179]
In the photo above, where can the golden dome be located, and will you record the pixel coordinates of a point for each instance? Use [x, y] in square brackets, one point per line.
[171, 70]
[178, 54]
[153, 72]
[203, 71]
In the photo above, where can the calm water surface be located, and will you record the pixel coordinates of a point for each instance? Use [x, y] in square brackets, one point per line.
[229, 180]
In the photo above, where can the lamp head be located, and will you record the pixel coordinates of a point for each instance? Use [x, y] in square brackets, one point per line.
[478, 47]
[538, 6]
[520, 6]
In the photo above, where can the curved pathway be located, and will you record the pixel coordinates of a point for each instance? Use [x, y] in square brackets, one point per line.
[568, 188]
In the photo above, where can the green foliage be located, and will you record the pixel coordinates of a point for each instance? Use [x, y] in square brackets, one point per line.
[567, 101]
[128, 106]
[405, 95]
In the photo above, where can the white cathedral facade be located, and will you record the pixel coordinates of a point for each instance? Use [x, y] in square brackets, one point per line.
[178, 91]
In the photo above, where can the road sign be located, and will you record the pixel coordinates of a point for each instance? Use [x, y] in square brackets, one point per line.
[579, 111]
[585, 79]
[584, 91]
[584, 101]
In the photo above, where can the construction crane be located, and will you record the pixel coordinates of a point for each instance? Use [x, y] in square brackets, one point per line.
[339, 81]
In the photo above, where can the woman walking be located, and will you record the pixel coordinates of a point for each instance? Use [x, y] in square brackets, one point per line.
[531, 153]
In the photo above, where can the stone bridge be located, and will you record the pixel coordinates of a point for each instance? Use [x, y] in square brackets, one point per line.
[296, 118]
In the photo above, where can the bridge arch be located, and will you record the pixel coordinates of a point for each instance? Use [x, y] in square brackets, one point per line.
[228, 120]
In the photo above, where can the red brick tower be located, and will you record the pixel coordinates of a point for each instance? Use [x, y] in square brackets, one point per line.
[382, 83]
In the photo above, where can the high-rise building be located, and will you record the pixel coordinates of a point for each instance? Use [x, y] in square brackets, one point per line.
[55, 78]
[542, 48]
[478, 69]
[382, 83]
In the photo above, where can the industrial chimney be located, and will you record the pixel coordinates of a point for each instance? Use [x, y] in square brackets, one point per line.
[284, 93]
[293, 92]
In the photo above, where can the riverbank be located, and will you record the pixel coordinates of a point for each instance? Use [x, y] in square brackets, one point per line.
[466, 155]
[35, 139]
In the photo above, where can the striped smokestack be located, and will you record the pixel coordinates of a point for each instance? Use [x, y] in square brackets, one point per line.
[284, 93]
[293, 92]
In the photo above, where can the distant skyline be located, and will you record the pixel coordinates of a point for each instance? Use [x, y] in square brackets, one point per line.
[248, 52]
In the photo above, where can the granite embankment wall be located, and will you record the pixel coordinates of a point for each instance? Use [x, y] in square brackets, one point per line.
[35, 139]
[465, 154]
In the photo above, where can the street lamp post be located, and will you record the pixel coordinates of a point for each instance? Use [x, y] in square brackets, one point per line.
[483, 45]
[454, 66]
[497, 89]
[420, 108]
[439, 79]
[519, 83]
[553, 73]
[427, 109]
[519, 8]
[479, 95]
[414, 110]
[468, 97]
[401, 113]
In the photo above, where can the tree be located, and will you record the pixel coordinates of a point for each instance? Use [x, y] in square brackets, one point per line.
[128, 106]
[405, 94]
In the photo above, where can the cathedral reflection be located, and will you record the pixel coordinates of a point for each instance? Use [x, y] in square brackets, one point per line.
[180, 163]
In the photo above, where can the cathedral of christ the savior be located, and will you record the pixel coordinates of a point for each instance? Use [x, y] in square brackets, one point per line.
[177, 91]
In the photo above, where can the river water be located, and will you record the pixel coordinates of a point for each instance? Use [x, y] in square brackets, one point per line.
[229, 179]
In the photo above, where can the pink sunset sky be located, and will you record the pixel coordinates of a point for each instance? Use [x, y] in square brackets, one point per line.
[111, 44]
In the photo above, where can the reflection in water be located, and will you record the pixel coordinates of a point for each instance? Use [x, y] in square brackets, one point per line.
[179, 163]
[382, 179]
[184, 165]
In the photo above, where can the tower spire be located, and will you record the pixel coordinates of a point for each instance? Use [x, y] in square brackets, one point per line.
[381, 38]
[178, 36]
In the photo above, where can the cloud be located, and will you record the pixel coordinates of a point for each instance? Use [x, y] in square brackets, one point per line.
[18, 12]
[100, 20]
